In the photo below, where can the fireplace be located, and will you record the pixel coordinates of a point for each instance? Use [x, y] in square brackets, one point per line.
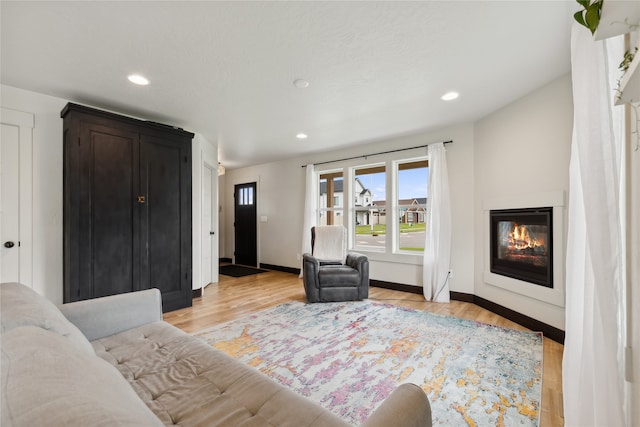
[522, 244]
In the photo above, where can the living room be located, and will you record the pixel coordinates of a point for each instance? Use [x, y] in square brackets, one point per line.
[480, 168]
[516, 155]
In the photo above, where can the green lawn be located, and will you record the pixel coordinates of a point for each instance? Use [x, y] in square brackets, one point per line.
[382, 228]
[412, 228]
[366, 229]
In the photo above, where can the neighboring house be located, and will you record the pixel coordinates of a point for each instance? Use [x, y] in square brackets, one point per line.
[412, 211]
[363, 195]
[334, 200]
[337, 195]
[362, 199]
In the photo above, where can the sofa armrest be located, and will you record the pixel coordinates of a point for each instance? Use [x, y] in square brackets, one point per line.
[310, 268]
[406, 406]
[361, 263]
[102, 317]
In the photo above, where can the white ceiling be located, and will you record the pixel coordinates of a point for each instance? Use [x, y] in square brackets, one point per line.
[226, 69]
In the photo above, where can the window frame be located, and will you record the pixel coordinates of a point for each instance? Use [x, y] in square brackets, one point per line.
[380, 167]
[391, 252]
[406, 164]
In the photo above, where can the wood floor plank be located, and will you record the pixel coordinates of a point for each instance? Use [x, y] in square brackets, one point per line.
[232, 298]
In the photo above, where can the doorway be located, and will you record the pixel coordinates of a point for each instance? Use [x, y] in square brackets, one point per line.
[245, 224]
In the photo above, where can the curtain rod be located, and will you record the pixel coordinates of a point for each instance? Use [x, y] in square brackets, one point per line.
[376, 154]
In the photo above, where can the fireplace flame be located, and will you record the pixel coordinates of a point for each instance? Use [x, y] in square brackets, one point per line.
[520, 238]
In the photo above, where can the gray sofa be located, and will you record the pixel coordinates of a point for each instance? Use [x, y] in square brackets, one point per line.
[113, 362]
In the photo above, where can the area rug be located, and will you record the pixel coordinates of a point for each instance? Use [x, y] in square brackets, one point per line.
[348, 357]
[238, 270]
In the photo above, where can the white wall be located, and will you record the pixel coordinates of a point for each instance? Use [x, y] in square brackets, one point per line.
[47, 187]
[281, 187]
[522, 149]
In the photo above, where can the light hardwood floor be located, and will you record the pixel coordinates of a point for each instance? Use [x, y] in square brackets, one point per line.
[232, 298]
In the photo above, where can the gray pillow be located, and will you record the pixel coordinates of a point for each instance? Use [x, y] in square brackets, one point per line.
[47, 381]
[22, 306]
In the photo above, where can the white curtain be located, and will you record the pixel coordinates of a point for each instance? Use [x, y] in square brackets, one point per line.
[592, 367]
[437, 247]
[310, 207]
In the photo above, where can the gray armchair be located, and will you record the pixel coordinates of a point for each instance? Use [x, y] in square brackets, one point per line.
[331, 274]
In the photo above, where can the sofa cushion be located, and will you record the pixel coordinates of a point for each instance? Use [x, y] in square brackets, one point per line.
[185, 381]
[338, 276]
[22, 306]
[47, 381]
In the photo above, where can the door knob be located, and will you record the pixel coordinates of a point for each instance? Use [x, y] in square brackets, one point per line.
[9, 244]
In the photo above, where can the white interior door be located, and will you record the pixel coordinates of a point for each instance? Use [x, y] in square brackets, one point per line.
[16, 221]
[10, 204]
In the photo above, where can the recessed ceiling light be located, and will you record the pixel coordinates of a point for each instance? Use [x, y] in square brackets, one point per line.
[302, 136]
[301, 83]
[450, 96]
[138, 79]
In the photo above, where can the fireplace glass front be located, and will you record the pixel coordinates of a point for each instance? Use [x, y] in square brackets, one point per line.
[522, 244]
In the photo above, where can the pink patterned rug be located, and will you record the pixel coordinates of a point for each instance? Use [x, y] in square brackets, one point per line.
[349, 356]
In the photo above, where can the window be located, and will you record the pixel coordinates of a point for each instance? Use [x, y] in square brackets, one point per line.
[246, 196]
[330, 204]
[370, 207]
[389, 225]
[412, 204]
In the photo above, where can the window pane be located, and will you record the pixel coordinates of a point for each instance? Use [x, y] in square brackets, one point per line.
[412, 204]
[370, 207]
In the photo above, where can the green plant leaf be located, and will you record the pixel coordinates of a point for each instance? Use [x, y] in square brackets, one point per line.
[594, 9]
[579, 18]
[583, 3]
[592, 17]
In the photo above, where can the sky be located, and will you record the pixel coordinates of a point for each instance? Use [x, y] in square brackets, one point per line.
[412, 183]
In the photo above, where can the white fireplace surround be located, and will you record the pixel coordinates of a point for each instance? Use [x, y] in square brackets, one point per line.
[555, 199]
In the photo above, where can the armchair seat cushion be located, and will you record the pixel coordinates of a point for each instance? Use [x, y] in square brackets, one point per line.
[338, 276]
[325, 262]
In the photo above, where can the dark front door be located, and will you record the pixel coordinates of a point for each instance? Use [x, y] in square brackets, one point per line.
[246, 235]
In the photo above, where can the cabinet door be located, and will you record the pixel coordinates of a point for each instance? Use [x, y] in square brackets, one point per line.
[165, 168]
[102, 234]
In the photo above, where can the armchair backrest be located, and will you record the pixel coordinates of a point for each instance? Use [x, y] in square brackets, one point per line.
[329, 242]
